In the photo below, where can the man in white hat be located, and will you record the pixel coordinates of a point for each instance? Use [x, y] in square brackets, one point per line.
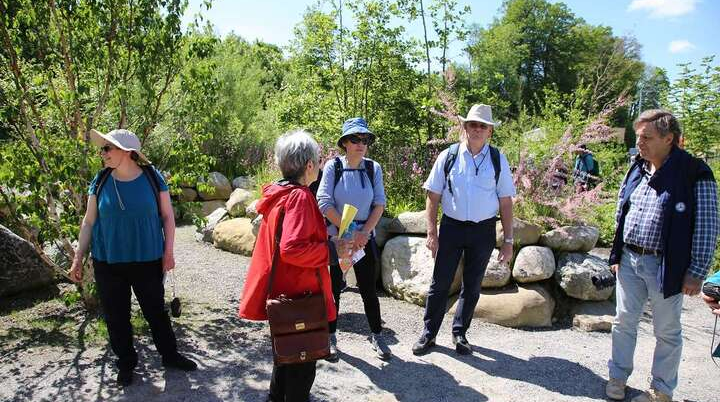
[473, 182]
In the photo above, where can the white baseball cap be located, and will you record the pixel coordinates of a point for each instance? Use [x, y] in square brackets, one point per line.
[121, 138]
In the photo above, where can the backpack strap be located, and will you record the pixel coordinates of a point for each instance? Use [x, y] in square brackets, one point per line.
[100, 182]
[495, 159]
[370, 170]
[151, 174]
[449, 162]
[338, 170]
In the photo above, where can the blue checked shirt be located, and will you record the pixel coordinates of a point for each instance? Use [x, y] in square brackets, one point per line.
[643, 223]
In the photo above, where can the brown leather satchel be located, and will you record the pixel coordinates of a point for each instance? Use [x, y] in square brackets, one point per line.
[298, 327]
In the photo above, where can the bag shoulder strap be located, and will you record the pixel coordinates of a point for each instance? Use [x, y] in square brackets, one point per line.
[100, 182]
[495, 159]
[449, 162]
[370, 170]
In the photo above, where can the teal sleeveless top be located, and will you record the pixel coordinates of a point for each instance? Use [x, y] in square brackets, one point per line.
[132, 234]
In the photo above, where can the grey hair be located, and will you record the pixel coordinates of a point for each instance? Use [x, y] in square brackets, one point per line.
[663, 121]
[293, 150]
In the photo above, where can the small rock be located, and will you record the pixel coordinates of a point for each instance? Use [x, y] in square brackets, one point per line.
[206, 233]
[409, 223]
[601, 253]
[594, 316]
[574, 272]
[496, 275]
[238, 202]
[524, 233]
[235, 235]
[571, 238]
[251, 210]
[188, 194]
[518, 306]
[244, 182]
[533, 263]
[256, 224]
[220, 187]
[209, 207]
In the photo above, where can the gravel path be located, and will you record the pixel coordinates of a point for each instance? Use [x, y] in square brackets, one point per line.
[557, 364]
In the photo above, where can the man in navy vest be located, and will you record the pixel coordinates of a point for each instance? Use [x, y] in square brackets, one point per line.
[667, 227]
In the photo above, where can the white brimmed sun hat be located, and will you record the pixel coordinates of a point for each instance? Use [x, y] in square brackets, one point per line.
[121, 138]
[481, 113]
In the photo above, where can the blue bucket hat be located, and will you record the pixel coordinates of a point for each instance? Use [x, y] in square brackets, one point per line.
[355, 125]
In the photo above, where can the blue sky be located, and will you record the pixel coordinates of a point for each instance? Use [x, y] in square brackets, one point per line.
[670, 31]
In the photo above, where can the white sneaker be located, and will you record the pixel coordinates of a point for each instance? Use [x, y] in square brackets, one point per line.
[615, 389]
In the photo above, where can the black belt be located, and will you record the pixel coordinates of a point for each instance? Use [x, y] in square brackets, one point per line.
[469, 223]
[642, 251]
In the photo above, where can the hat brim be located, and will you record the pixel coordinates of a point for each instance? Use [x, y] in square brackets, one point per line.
[492, 123]
[99, 139]
[357, 131]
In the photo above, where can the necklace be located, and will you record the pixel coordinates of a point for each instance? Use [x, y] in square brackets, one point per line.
[122, 206]
[477, 167]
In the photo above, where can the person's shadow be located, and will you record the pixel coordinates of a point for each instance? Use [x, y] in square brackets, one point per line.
[415, 382]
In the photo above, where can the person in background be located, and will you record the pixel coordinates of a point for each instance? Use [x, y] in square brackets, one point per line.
[131, 239]
[475, 187]
[584, 170]
[665, 235]
[356, 180]
[304, 253]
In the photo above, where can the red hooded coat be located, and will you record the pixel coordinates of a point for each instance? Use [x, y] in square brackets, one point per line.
[303, 251]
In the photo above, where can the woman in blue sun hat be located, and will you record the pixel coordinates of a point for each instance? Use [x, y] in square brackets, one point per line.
[354, 179]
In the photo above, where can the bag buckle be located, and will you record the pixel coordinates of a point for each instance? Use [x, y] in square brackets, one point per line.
[299, 326]
[303, 355]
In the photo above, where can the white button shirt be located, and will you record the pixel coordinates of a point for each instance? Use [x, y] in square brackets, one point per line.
[475, 196]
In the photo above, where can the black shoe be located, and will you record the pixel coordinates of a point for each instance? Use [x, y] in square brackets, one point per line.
[423, 345]
[180, 362]
[124, 377]
[462, 346]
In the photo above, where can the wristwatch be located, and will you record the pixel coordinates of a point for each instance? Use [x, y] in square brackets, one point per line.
[509, 240]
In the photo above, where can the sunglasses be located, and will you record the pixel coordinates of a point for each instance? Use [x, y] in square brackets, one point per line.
[360, 140]
[475, 124]
[107, 148]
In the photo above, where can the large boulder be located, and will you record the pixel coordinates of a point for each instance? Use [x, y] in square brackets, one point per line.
[206, 233]
[220, 187]
[251, 210]
[209, 207]
[235, 235]
[244, 182]
[528, 305]
[574, 272]
[238, 202]
[594, 316]
[497, 275]
[407, 269]
[381, 231]
[21, 267]
[187, 194]
[533, 263]
[524, 233]
[409, 223]
[571, 238]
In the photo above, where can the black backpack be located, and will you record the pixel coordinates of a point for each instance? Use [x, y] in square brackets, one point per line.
[148, 171]
[452, 156]
[338, 167]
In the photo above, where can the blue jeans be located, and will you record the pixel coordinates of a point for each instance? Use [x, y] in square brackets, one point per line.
[636, 282]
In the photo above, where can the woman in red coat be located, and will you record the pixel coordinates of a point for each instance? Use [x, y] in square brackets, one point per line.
[303, 253]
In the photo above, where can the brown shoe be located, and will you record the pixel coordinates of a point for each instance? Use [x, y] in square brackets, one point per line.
[615, 389]
[652, 395]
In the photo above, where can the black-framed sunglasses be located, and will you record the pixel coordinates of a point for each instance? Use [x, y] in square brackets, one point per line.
[107, 148]
[360, 140]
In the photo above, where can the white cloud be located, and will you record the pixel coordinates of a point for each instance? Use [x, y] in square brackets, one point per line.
[664, 8]
[678, 46]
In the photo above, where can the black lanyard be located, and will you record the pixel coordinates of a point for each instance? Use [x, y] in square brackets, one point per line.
[477, 167]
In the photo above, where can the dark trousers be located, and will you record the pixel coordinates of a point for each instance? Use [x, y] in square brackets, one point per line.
[476, 241]
[365, 275]
[114, 282]
[292, 382]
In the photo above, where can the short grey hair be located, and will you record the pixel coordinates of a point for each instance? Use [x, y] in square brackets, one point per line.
[663, 121]
[293, 150]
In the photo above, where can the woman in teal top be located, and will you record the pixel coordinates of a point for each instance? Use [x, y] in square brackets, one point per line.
[130, 223]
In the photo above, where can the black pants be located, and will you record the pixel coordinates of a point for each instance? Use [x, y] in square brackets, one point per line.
[114, 282]
[292, 382]
[477, 242]
[365, 275]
